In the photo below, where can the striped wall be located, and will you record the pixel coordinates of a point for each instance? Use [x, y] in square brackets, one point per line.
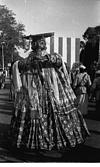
[68, 47]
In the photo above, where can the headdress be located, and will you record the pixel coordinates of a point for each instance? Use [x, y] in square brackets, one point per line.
[38, 40]
[37, 37]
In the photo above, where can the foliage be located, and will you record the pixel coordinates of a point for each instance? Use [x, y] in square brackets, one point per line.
[91, 49]
[91, 35]
[11, 32]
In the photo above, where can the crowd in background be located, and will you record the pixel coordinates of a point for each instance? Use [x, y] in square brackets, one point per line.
[86, 86]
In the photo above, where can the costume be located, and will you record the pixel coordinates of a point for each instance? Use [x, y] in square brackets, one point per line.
[45, 115]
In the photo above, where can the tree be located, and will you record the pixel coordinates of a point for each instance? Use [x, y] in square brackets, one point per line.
[91, 49]
[11, 32]
[91, 36]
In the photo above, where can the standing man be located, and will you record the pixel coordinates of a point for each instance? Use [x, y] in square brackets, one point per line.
[81, 85]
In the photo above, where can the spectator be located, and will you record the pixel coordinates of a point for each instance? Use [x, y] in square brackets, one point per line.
[74, 72]
[81, 85]
[95, 89]
[82, 52]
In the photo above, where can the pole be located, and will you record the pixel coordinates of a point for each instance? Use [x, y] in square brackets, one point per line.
[99, 50]
[12, 56]
[2, 56]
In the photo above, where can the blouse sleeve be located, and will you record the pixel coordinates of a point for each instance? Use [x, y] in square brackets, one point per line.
[54, 60]
[46, 61]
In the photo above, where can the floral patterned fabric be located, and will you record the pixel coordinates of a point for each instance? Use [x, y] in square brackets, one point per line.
[45, 115]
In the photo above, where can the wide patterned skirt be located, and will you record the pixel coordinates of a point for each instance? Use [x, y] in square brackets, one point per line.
[39, 121]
